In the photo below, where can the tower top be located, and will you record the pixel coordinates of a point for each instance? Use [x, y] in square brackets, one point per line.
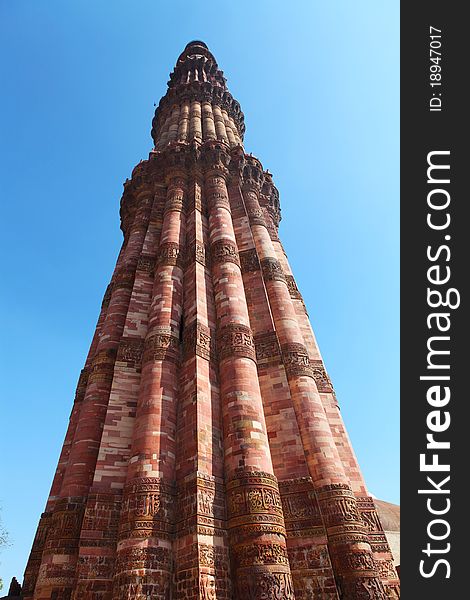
[196, 63]
[196, 78]
[197, 43]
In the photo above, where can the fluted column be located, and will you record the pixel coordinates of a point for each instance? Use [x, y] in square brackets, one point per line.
[195, 124]
[173, 124]
[255, 522]
[228, 128]
[80, 469]
[200, 546]
[183, 126]
[220, 124]
[98, 538]
[34, 561]
[57, 575]
[378, 541]
[164, 132]
[148, 505]
[349, 547]
[236, 135]
[307, 549]
[208, 122]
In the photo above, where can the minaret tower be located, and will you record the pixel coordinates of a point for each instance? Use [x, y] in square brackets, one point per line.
[205, 456]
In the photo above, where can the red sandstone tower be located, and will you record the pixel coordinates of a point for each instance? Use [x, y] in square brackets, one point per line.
[205, 455]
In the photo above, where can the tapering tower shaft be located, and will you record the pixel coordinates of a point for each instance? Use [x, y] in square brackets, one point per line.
[205, 456]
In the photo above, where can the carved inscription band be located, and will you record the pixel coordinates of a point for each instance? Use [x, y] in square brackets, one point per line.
[147, 509]
[235, 340]
[102, 366]
[130, 351]
[170, 254]
[161, 346]
[249, 260]
[197, 340]
[272, 270]
[296, 360]
[146, 264]
[224, 250]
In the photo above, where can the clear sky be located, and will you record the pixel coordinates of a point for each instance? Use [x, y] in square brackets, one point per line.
[318, 83]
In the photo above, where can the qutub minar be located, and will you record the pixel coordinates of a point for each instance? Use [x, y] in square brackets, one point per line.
[205, 456]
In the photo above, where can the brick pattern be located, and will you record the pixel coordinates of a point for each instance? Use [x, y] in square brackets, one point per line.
[306, 538]
[254, 513]
[205, 456]
[345, 534]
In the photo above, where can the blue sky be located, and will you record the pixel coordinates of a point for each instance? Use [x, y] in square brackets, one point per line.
[319, 85]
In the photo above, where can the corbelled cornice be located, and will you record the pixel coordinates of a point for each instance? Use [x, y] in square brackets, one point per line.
[243, 169]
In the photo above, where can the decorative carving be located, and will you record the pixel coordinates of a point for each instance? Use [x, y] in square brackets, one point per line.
[175, 201]
[363, 588]
[320, 375]
[195, 198]
[131, 350]
[365, 503]
[169, 254]
[252, 176]
[253, 492]
[358, 561]
[65, 526]
[207, 587]
[146, 264]
[254, 585]
[197, 340]
[206, 555]
[34, 562]
[215, 158]
[202, 254]
[300, 506]
[147, 509]
[260, 554]
[267, 346]
[235, 340]
[293, 289]
[392, 592]
[256, 216]
[386, 570]
[371, 520]
[340, 513]
[102, 366]
[162, 346]
[205, 502]
[224, 250]
[217, 198]
[249, 260]
[156, 585]
[340, 509]
[197, 251]
[272, 230]
[309, 556]
[215, 181]
[296, 360]
[272, 270]
[123, 278]
[212, 556]
[378, 543]
[129, 559]
[255, 509]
